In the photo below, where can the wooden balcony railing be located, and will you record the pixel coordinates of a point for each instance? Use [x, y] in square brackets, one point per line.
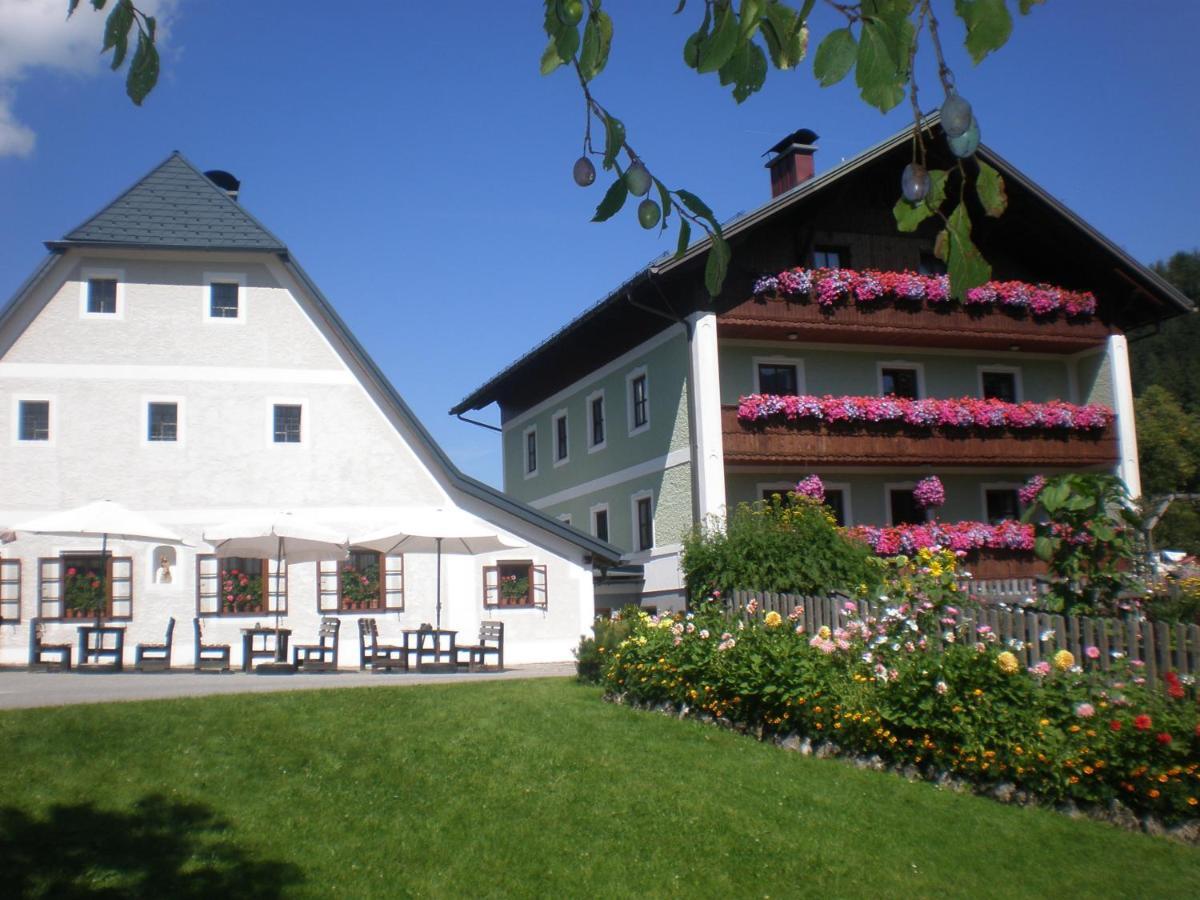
[817, 444]
[954, 327]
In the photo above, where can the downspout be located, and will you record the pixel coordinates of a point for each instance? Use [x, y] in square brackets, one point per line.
[477, 422]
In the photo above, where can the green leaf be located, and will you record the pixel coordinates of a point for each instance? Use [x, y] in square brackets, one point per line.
[550, 58]
[1043, 548]
[696, 205]
[721, 44]
[941, 245]
[597, 41]
[143, 70]
[664, 197]
[910, 215]
[691, 47]
[989, 25]
[835, 57]
[751, 14]
[614, 139]
[567, 42]
[1027, 5]
[116, 28]
[685, 237]
[679, 8]
[785, 34]
[717, 265]
[989, 185]
[71, 4]
[733, 70]
[98, 4]
[966, 265]
[753, 76]
[613, 200]
[880, 74]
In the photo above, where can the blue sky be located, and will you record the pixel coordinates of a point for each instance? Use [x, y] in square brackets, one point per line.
[419, 167]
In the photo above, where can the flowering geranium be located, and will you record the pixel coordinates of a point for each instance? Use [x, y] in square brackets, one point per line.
[829, 287]
[950, 413]
[1029, 492]
[813, 487]
[965, 536]
[929, 492]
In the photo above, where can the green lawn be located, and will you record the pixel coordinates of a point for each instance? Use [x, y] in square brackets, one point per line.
[519, 788]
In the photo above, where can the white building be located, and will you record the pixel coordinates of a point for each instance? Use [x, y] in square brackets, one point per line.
[170, 355]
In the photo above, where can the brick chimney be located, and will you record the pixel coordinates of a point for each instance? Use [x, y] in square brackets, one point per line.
[791, 160]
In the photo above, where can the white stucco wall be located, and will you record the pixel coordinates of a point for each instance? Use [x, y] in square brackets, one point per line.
[355, 465]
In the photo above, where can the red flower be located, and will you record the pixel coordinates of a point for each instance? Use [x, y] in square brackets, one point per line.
[1163, 738]
[1143, 722]
[71, 571]
[1174, 688]
[1198, 730]
[1114, 725]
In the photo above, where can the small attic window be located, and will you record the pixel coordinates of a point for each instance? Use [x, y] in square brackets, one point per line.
[223, 300]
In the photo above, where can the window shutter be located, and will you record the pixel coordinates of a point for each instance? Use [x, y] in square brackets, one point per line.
[50, 604]
[10, 590]
[393, 582]
[120, 587]
[538, 586]
[276, 586]
[328, 577]
[491, 586]
[208, 586]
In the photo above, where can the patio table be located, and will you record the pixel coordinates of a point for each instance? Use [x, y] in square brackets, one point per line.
[441, 644]
[97, 650]
[273, 646]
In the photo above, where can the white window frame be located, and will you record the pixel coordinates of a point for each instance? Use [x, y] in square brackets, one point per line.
[592, 511]
[51, 417]
[560, 415]
[635, 543]
[565, 518]
[794, 361]
[786, 487]
[591, 398]
[890, 486]
[86, 275]
[998, 486]
[180, 420]
[306, 423]
[1015, 371]
[919, 368]
[537, 452]
[630, 377]
[224, 277]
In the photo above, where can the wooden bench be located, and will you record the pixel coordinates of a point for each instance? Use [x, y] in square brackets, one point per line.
[209, 657]
[491, 640]
[380, 657]
[38, 650]
[323, 655]
[155, 657]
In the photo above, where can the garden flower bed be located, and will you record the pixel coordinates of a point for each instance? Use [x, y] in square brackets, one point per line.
[911, 690]
[872, 288]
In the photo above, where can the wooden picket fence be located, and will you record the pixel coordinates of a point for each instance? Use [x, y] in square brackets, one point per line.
[1162, 646]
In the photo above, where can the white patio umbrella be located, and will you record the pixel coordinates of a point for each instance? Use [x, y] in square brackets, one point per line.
[103, 519]
[436, 529]
[287, 537]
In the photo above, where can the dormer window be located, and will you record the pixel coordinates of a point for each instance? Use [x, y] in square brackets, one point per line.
[223, 300]
[102, 296]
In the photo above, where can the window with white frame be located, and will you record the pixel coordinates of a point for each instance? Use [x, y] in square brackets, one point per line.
[162, 422]
[900, 380]
[531, 452]
[782, 377]
[287, 423]
[1001, 502]
[562, 445]
[1000, 383]
[33, 420]
[515, 584]
[10, 590]
[596, 422]
[101, 294]
[599, 514]
[224, 297]
[234, 586]
[364, 580]
[639, 400]
[903, 508]
[643, 521]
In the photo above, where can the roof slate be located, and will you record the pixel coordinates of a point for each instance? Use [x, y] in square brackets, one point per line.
[175, 205]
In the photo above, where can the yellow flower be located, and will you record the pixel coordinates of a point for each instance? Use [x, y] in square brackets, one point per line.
[823, 632]
[773, 619]
[1063, 660]
[1007, 663]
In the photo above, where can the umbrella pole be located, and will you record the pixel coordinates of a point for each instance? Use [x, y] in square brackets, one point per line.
[278, 569]
[439, 584]
[107, 576]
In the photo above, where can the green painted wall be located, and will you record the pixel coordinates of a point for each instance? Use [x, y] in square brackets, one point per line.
[854, 372]
[1095, 380]
[964, 494]
[666, 367]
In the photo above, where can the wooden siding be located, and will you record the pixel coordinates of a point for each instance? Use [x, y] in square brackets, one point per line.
[887, 325]
[817, 444]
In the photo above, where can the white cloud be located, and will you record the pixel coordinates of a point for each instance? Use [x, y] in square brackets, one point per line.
[36, 34]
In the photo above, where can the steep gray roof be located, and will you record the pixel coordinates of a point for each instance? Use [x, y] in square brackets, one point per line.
[175, 205]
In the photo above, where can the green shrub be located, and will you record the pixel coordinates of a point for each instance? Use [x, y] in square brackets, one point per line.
[791, 546]
[607, 635]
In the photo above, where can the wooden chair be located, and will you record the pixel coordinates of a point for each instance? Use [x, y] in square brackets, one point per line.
[491, 640]
[380, 657]
[323, 655]
[210, 657]
[38, 650]
[155, 657]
